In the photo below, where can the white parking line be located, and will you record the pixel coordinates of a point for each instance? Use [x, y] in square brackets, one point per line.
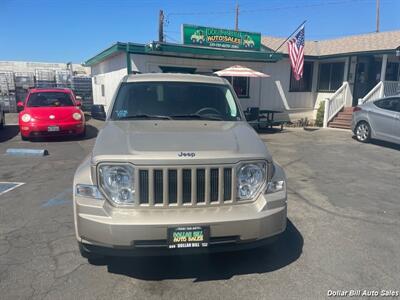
[14, 186]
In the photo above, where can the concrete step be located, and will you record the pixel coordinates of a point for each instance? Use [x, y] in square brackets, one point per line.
[343, 122]
[335, 124]
[339, 126]
[343, 117]
[346, 113]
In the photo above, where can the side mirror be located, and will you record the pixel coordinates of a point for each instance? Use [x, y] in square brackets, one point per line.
[20, 106]
[78, 103]
[98, 112]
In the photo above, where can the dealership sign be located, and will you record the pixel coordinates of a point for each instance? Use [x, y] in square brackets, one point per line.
[220, 38]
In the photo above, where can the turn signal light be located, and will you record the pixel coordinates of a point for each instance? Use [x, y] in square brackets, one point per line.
[357, 108]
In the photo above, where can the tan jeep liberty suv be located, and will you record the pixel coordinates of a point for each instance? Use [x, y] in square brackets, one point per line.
[176, 169]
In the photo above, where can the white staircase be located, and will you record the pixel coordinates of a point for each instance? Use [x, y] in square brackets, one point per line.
[336, 103]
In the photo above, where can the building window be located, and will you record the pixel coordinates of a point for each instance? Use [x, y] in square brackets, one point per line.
[169, 69]
[305, 83]
[103, 92]
[240, 85]
[330, 76]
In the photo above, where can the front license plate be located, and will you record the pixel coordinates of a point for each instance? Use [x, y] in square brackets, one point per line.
[188, 237]
[53, 128]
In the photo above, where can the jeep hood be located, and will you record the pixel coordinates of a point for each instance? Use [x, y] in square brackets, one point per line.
[163, 142]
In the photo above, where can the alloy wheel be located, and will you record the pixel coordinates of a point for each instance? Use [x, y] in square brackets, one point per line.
[362, 132]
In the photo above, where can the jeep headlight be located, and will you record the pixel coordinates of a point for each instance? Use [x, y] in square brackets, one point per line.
[117, 182]
[250, 178]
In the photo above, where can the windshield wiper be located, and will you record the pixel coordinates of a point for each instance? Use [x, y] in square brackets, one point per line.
[197, 116]
[144, 116]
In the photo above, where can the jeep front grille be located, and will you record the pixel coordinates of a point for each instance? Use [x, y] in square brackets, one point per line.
[185, 186]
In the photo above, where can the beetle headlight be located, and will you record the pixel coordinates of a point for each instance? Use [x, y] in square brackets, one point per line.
[76, 116]
[117, 182]
[250, 178]
[26, 118]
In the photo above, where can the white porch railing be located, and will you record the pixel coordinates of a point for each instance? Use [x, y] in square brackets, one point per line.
[335, 103]
[382, 89]
[391, 88]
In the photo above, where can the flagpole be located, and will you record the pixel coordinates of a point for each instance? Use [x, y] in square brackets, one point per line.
[304, 22]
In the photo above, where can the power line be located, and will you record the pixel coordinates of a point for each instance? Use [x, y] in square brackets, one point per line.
[171, 38]
[233, 11]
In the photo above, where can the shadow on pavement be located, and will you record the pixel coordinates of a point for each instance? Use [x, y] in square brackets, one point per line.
[287, 249]
[386, 144]
[8, 132]
[383, 144]
[270, 130]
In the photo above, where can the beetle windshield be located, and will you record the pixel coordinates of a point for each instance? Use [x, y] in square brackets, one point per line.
[175, 100]
[52, 99]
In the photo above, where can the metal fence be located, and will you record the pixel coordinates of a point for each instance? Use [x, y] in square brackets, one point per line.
[14, 87]
[7, 83]
[9, 102]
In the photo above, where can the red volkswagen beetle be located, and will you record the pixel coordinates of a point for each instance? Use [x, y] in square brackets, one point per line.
[50, 112]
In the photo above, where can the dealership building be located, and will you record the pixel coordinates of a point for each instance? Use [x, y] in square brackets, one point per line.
[341, 71]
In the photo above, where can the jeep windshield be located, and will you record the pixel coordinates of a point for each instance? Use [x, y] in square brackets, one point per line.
[174, 101]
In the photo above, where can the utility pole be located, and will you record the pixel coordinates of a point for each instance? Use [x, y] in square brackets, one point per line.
[237, 17]
[377, 15]
[161, 26]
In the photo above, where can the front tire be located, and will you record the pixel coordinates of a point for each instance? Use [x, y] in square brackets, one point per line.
[363, 132]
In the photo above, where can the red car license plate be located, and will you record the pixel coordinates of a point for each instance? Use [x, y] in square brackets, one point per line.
[53, 128]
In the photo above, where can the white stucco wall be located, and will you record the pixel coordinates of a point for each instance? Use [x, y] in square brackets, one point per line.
[108, 73]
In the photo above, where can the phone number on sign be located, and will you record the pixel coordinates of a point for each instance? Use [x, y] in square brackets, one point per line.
[363, 293]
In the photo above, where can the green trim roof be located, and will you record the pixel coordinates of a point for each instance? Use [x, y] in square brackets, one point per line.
[184, 51]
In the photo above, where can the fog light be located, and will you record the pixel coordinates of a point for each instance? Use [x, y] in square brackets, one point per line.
[25, 128]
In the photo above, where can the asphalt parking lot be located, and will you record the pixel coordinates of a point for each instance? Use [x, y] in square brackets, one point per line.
[343, 230]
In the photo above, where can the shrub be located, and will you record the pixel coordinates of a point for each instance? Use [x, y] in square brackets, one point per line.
[319, 121]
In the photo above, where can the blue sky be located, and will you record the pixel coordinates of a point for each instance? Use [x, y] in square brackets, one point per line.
[75, 30]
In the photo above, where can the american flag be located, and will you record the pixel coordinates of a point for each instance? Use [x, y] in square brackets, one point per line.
[296, 53]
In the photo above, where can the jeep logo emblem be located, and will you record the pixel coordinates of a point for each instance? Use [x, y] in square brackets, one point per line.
[187, 154]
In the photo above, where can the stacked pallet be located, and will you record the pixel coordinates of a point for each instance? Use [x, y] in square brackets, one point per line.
[23, 82]
[9, 102]
[45, 78]
[82, 87]
[63, 78]
[7, 91]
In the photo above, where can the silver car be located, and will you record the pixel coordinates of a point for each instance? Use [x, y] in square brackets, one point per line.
[176, 169]
[379, 119]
